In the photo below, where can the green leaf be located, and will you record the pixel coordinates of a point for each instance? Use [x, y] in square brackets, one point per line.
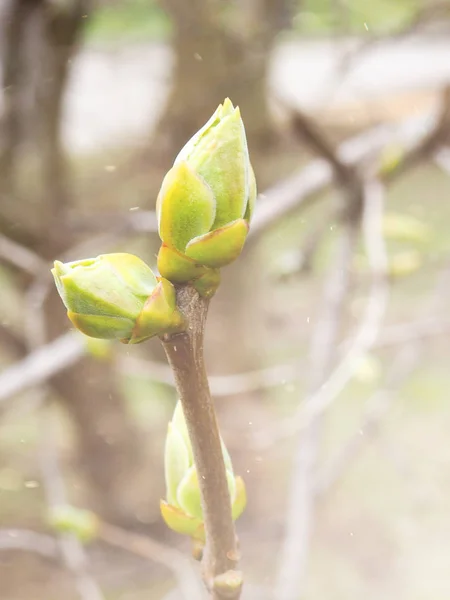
[251, 197]
[240, 500]
[180, 522]
[188, 494]
[179, 422]
[177, 267]
[98, 326]
[176, 462]
[186, 206]
[220, 247]
[222, 160]
[159, 314]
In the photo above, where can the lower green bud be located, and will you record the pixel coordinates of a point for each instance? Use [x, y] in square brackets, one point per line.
[183, 511]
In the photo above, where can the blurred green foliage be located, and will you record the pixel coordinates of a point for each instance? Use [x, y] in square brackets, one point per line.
[140, 20]
[130, 21]
[354, 17]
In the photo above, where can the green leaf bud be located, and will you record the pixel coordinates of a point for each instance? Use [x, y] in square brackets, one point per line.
[207, 199]
[183, 511]
[81, 523]
[117, 296]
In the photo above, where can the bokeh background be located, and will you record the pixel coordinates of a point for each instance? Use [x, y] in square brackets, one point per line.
[328, 341]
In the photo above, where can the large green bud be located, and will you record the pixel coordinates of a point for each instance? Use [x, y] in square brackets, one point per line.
[117, 296]
[206, 202]
[182, 511]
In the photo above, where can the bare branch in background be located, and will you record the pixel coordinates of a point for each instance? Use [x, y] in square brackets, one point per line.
[41, 364]
[299, 520]
[20, 256]
[221, 385]
[442, 159]
[430, 143]
[406, 361]
[72, 551]
[143, 546]
[29, 541]
[377, 408]
[294, 192]
[367, 332]
[188, 583]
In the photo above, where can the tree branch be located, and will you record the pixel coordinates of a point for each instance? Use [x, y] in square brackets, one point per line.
[296, 191]
[301, 498]
[185, 354]
[364, 338]
[154, 551]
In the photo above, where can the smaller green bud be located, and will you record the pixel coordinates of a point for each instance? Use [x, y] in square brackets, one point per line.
[79, 522]
[183, 511]
[117, 296]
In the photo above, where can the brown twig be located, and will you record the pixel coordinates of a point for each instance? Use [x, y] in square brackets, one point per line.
[406, 361]
[155, 552]
[29, 541]
[72, 551]
[20, 256]
[300, 509]
[185, 354]
[367, 332]
[301, 187]
[43, 363]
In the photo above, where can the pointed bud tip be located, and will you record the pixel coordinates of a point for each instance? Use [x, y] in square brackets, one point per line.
[226, 108]
[59, 269]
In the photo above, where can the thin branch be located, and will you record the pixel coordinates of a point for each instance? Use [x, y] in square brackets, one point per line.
[379, 404]
[72, 551]
[221, 385]
[403, 333]
[139, 545]
[301, 498]
[442, 159]
[185, 354]
[42, 364]
[20, 256]
[377, 408]
[29, 541]
[367, 332]
[45, 362]
[294, 192]
[154, 551]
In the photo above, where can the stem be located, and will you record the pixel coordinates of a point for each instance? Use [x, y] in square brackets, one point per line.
[185, 354]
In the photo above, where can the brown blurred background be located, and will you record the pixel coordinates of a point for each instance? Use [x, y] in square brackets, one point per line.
[328, 341]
